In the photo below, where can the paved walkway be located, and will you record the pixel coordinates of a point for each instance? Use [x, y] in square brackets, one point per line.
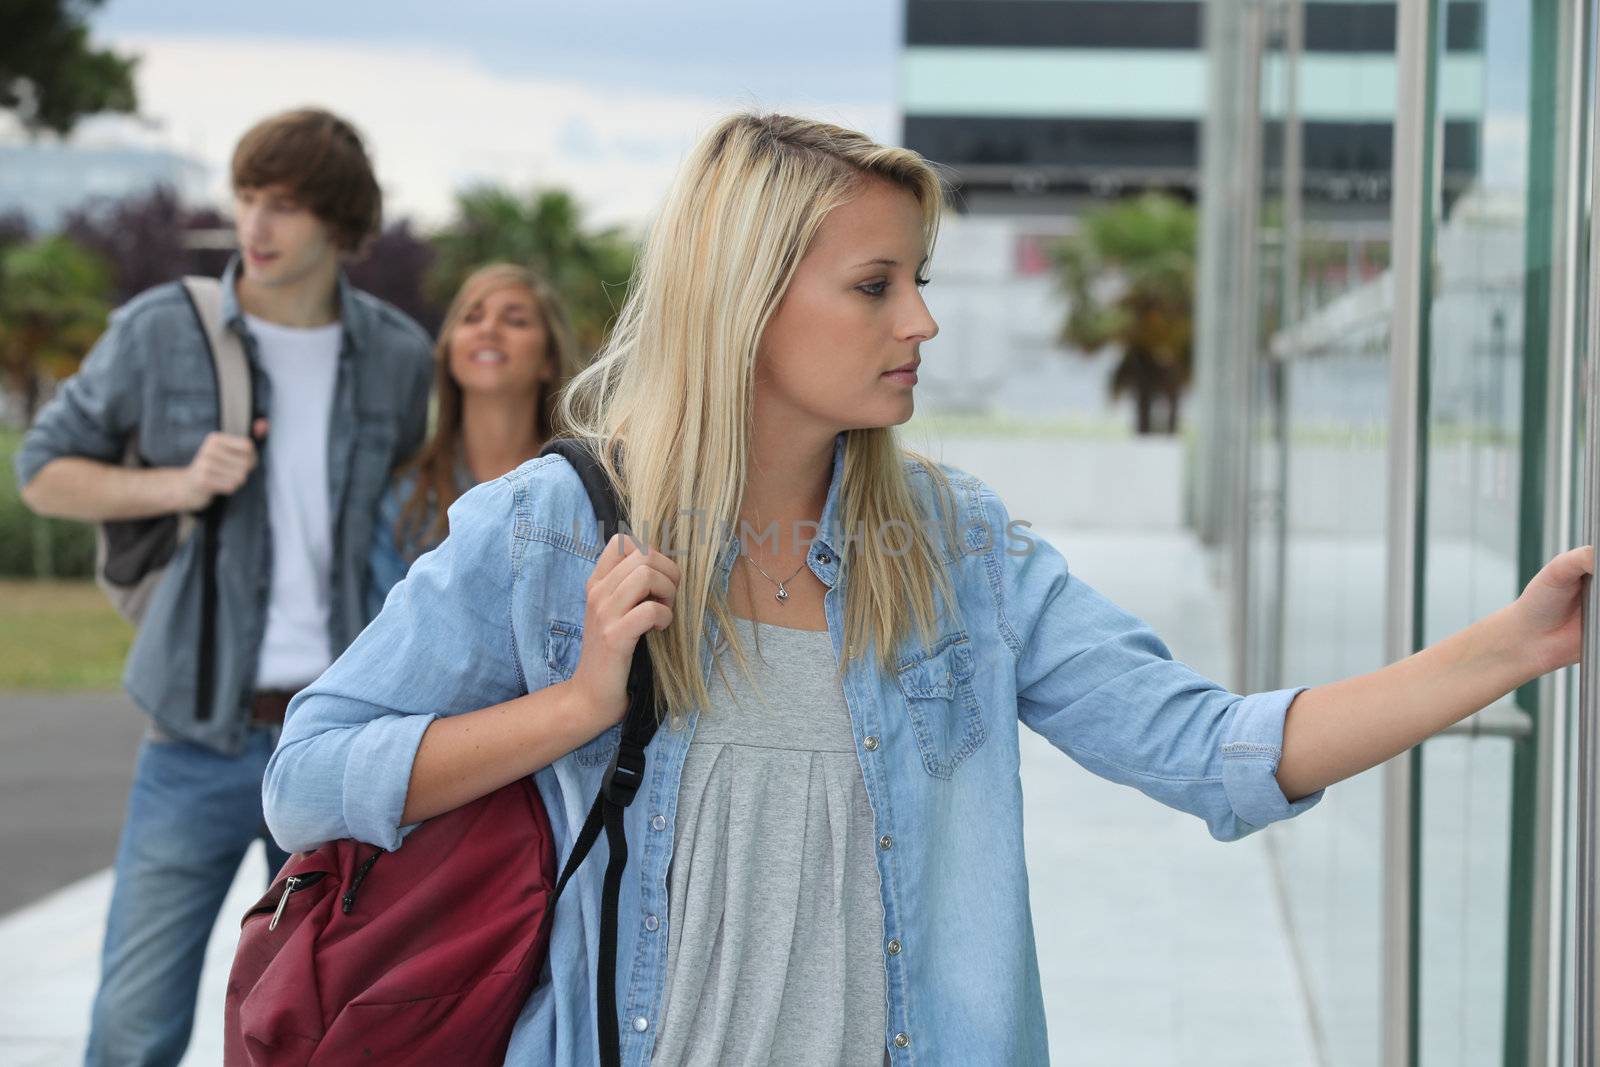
[52, 949]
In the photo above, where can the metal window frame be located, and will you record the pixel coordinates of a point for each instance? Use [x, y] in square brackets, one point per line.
[1548, 698]
[1411, 210]
[1586, 789]
[1238, 396]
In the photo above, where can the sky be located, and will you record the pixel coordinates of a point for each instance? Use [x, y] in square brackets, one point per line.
[602, 98]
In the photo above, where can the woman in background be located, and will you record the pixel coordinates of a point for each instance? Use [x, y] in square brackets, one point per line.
[504, 352]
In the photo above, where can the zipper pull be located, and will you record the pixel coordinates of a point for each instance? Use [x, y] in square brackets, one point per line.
[289, 886]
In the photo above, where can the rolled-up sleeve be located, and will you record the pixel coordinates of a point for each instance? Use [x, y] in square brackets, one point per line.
[1250, 759]
[442, 645]
[94, 412]
[1097, 682]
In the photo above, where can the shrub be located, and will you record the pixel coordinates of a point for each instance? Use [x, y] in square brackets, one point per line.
[31, 547]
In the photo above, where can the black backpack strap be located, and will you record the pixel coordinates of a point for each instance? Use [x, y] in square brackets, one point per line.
[230, 368]
[626, 771]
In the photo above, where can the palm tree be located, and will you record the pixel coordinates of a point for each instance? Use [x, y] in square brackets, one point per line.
[1129, 276]
[545, 231]
[53, 305]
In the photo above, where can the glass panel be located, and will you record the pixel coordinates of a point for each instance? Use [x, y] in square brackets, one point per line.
[1485, 324]
[1317, 351]
[1336, 406]
[1465, 830]
[1318, 481]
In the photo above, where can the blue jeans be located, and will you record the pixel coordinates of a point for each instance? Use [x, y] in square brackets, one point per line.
[192, 814]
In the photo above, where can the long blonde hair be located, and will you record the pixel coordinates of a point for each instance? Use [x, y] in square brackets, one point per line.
[423, 521]
[674, 385]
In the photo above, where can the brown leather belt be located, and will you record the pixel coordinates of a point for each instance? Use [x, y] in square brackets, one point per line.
[269, 705]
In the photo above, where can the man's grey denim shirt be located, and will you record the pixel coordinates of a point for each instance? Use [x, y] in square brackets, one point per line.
[497, 610]
[150, 374]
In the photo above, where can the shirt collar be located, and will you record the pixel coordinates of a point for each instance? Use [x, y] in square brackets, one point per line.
[827, 537]
[233, 314]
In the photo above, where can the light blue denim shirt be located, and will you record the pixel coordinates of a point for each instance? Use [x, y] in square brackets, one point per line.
[497, 610]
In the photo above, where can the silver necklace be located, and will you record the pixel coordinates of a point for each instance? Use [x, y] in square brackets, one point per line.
[782, 594]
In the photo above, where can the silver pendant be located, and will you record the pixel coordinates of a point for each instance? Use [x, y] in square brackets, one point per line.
[782, 593]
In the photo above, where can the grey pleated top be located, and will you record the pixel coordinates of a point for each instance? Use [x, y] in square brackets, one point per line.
[775, 924]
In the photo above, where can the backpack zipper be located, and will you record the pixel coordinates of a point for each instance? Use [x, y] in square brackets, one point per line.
[349, 902]
[292, 884]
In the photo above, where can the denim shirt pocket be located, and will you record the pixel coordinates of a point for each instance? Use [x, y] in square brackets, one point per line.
[179, 427]
[562, 648]
[943, 707]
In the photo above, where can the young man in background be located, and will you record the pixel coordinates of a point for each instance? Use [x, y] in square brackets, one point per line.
[339, 384]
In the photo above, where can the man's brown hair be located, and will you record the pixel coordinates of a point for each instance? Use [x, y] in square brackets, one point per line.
[319, 157]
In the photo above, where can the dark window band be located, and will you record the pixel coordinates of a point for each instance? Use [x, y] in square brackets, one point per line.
[1145, 143]
[1129, 145]
[1054, 23]
[1347, 27]
[1350, 27]
[1158, 24]
[1463, 26]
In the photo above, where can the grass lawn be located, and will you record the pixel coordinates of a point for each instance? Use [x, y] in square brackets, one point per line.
[60, 635]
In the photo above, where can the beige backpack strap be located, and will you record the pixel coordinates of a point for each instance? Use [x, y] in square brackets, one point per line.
[227, 355]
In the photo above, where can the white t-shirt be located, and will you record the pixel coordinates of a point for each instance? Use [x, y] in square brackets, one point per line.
[302, 365]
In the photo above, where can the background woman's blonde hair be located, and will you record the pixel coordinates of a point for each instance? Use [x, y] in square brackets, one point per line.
[423, 522]
[674, 386]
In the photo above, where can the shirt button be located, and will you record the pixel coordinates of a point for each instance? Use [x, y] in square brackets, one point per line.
[642, 1024]
[902, 1040]
[885, 841]
[823, 557]
[894, 948]
[871, 742]
[651, 922]
[658, 823]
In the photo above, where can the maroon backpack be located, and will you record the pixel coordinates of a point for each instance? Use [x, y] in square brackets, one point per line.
[423, 955]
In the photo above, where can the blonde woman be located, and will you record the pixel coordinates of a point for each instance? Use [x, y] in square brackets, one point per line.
[825, 859]
[504, 352]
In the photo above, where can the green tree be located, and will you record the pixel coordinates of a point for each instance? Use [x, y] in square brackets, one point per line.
[1128, 274]
[50, 75]
[53, 305]
[545, 231]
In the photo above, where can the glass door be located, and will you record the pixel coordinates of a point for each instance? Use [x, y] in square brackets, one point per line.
[1494, 348]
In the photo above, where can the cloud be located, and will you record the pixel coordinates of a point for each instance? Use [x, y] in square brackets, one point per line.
[437, 120]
